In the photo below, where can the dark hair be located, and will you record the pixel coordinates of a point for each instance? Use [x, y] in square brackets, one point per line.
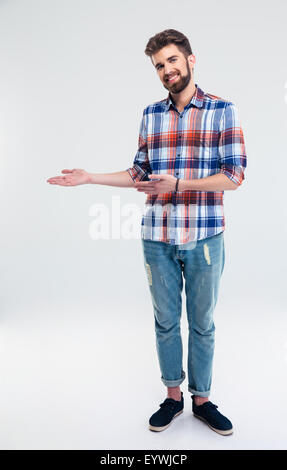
[168, 36]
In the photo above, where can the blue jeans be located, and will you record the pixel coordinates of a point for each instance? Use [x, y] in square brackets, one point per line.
[201, 263]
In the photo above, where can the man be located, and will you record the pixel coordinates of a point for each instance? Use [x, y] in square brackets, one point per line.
[191, 149]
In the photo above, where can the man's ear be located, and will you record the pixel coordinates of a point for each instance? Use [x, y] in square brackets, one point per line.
[191, 59]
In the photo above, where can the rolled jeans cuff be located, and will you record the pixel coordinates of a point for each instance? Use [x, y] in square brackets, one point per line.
[199, 394]
[174, 383]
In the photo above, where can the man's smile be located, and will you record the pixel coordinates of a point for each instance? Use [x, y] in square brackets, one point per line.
[172, 78]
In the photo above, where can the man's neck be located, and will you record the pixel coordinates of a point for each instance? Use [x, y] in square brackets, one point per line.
[183, 98]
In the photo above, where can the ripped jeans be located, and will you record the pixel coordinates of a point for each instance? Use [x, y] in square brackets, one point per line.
[201, 263]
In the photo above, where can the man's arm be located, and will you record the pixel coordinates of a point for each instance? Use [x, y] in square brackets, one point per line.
[79, 176]
[121, 179]
[217, 182]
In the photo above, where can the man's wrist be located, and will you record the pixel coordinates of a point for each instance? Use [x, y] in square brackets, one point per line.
[185, 185]
[90, 178]
[181, 184]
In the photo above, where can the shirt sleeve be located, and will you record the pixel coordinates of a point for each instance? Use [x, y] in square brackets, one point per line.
[141, 165]
[231, 147]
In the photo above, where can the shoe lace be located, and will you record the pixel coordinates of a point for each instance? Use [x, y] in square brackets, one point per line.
[168, 404]
[211, 405]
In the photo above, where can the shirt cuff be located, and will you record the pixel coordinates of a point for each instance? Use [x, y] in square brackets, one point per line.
[136, 173]
[234, 173]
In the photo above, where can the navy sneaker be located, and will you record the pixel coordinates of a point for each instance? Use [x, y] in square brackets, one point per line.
[169, 409]
[208, 413]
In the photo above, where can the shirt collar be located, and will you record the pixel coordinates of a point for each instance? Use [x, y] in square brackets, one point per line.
[196, 100]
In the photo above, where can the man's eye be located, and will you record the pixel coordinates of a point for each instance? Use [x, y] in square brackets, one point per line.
[171, 60]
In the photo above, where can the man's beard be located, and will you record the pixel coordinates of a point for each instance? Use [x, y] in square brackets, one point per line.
[181, 83]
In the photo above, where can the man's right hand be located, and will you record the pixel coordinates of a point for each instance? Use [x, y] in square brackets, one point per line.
[72, 178]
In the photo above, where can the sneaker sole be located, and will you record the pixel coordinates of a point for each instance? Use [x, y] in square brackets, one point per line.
[219, 431]
[162, 428]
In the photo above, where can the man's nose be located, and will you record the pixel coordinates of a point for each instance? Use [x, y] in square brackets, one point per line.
[168, 70]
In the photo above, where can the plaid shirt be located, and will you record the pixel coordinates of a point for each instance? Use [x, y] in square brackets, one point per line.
[204, 139]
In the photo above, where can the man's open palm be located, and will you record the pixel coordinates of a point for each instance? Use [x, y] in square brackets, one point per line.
[72, 177]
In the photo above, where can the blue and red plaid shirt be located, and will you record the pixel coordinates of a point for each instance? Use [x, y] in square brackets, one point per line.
[204, 139]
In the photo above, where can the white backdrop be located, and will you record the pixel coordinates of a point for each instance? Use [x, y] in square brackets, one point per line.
[77, 334]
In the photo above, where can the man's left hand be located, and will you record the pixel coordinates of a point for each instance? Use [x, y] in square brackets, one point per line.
[165, 185]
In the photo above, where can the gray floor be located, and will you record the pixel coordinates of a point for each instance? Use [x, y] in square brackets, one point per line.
[90, 384]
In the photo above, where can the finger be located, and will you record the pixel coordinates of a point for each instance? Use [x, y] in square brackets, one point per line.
[144, 186]
[154, 177]
[146, 191]
[67, 171]
[56, 178]
[61, 183]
